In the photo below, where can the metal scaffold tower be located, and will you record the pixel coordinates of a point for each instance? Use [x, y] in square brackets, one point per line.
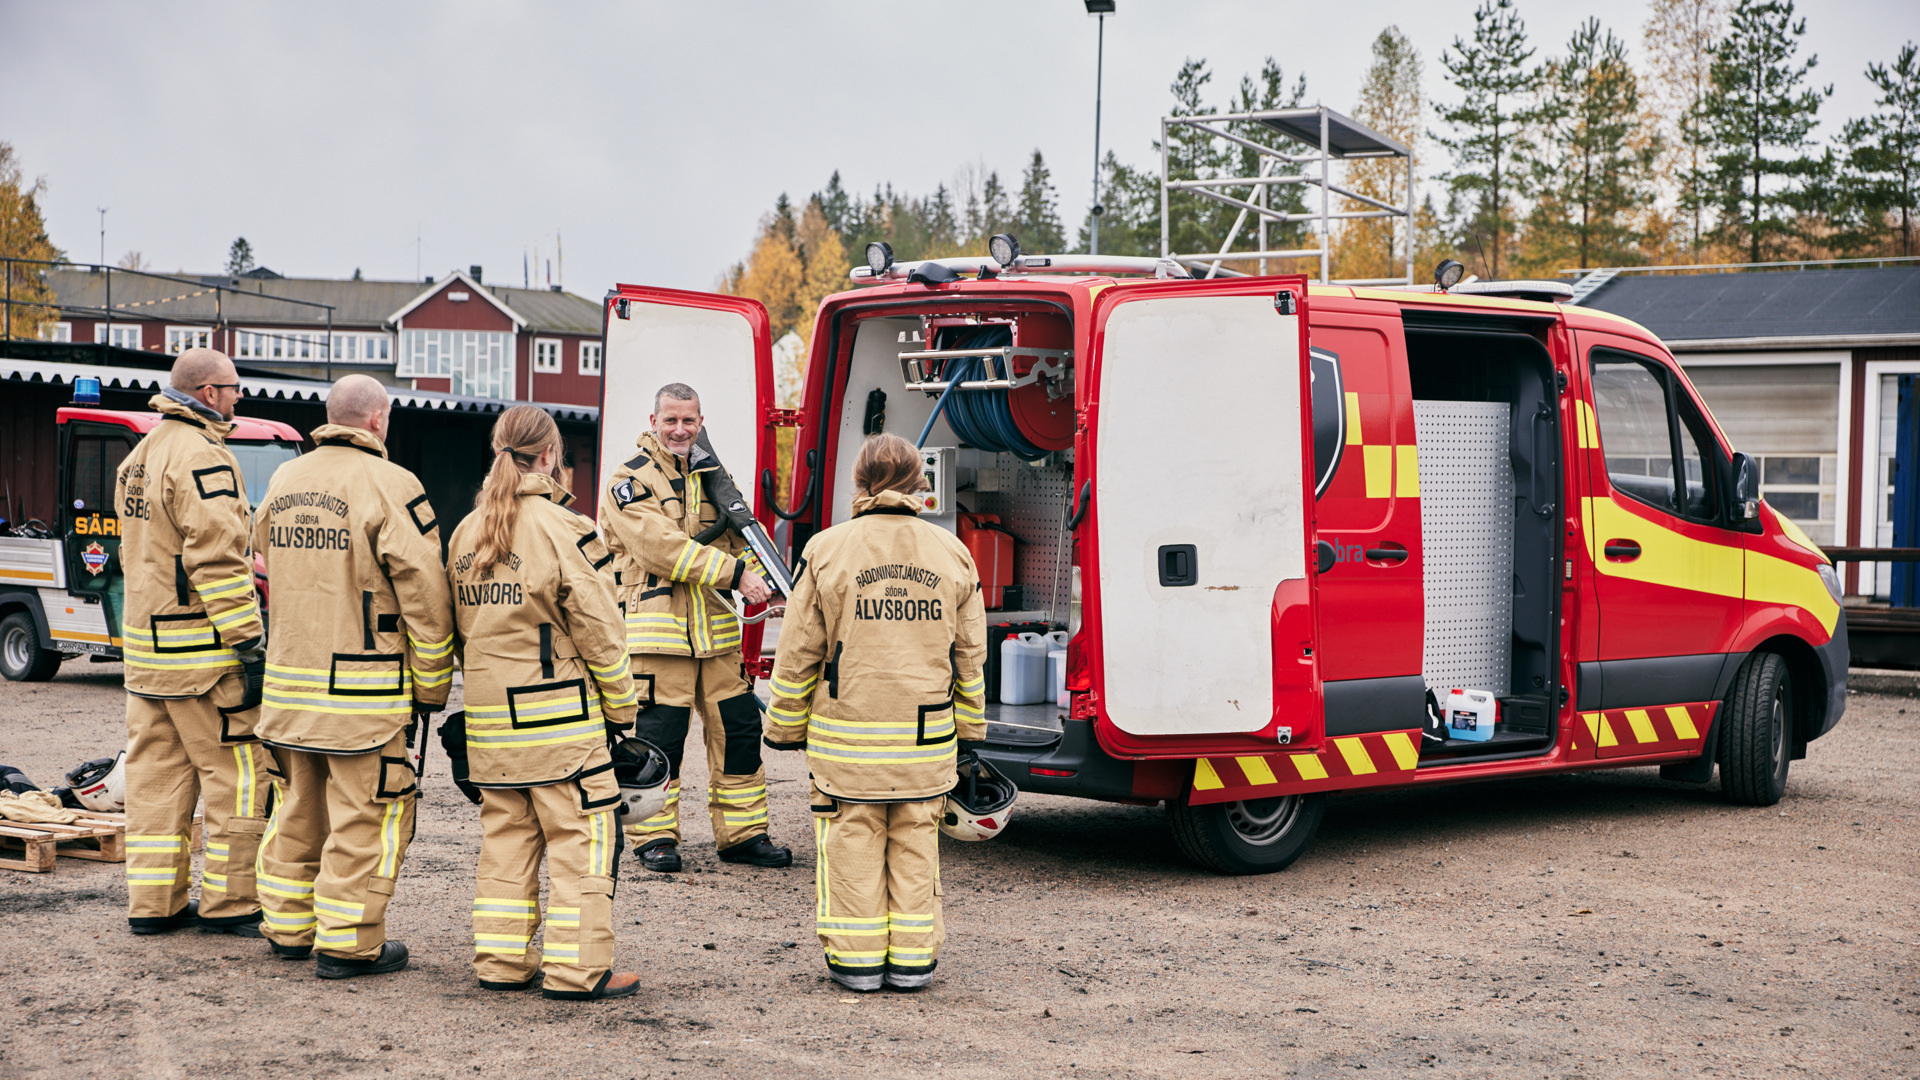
[1326, 136]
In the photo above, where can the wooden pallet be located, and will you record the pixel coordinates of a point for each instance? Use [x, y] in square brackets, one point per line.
[95, 836]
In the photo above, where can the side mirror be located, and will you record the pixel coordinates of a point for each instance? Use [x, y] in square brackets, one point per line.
[1746, 488]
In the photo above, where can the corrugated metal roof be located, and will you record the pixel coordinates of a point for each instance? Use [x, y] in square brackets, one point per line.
[362, 304]
[275, 389]
[1781, 303]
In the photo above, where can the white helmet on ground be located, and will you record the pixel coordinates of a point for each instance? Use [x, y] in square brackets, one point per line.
[642, 772]
[101, 784]
[980, 803]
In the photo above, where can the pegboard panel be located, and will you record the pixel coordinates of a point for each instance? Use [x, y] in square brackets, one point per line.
[1466, 543]
[1033, 502]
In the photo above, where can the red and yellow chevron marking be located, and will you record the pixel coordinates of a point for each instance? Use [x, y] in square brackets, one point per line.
[1659, 729]
[1346, 761]
[1373, 466]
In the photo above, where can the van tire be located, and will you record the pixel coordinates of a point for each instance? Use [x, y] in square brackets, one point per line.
[21, 657]
[1256, 836]
[1756, 725]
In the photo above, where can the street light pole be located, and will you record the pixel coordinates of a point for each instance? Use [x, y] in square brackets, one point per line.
[1100, 9]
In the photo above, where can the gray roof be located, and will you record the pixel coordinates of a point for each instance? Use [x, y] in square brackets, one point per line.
[1771, 304]
[190, 298]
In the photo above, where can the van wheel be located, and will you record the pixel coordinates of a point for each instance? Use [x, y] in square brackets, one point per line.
[21, 657]
[1755, 726]
[1256, 836]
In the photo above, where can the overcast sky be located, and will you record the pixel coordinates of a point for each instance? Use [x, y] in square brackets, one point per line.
[650, 136]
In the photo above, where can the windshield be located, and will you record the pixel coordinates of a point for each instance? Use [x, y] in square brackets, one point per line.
[258, 460]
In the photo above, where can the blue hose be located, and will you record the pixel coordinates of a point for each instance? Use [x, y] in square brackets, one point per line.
[981, 418]
[935, 415]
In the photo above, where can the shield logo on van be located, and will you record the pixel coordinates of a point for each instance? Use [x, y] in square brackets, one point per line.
[1329, 417]
[94, 556]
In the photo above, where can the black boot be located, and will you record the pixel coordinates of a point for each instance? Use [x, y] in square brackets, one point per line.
[393, 957]
[245, 926]
[186, 916]
[758, 851]
[661, 857]
[291, 952]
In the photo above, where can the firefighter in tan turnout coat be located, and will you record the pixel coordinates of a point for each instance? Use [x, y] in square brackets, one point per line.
[364, 641]
[193, 647]
[879, 677]
[544, 652]
[684, 640]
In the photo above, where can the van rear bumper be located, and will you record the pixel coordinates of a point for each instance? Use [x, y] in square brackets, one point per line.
[1833, 666]
[1074, 765]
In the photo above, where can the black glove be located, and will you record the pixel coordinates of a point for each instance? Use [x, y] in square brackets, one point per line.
[453, 739]
[253, 668]
[771, 745]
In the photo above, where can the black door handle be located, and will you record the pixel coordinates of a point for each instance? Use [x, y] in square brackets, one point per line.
[1323, 556]
[1179, 565]
[1385, 554]
[1623, 550]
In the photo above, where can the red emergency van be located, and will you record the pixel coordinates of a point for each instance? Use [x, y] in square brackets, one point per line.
[1270, 518]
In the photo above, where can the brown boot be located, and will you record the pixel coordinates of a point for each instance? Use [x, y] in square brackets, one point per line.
[612, 985]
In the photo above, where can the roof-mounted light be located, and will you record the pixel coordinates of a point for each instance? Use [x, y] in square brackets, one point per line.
[1004, 248]
[1448, 274]
[86, 390]
[879, 257]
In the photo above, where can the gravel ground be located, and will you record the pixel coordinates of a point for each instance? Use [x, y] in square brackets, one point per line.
[1600, 925]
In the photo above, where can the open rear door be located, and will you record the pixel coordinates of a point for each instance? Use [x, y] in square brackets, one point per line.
[719, 345]
[1202, 516]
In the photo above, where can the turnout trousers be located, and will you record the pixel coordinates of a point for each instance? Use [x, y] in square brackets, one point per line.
[582, 849]
[730, 720]
[335, 846]
[877, 889]
[176, 752]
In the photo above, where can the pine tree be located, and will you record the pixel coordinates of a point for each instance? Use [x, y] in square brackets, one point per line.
[1679, 37]
[1593, 179]
[943, 226]
[1269, 91]
[1489, 124]
[1131, 224]
[996, 215]
[239, 257]
[1883, 159]
[1390, 103]
[1757, 104]
[1195, 224]
[1037, 217]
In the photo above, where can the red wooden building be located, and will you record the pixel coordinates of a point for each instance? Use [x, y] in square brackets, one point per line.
[455, 335]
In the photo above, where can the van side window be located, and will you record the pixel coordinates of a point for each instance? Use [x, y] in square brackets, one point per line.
[1652, 433]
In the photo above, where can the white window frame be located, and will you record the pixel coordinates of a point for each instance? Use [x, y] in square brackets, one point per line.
[547, 365]
[477, 363]
[354, 347]
[122, 330]
[590, 352]
[60, 331]
[182, 338]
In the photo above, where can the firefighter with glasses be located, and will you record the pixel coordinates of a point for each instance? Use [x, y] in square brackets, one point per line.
[363, 645]
[879, 679]
[194, 649]
[684, 637]
[547, 685]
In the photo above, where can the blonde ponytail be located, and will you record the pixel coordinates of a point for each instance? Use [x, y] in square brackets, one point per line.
[520, 436]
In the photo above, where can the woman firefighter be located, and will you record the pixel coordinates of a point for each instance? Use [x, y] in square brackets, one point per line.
[544, 648]
[879, 678]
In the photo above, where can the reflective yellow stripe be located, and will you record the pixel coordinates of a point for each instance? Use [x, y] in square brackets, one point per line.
[243, 787]
[390, 840]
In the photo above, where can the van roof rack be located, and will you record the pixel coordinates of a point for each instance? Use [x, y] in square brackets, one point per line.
[986, 267]
[1546, 292]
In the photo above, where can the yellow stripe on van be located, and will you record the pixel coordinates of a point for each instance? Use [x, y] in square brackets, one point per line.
[1666, 557]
